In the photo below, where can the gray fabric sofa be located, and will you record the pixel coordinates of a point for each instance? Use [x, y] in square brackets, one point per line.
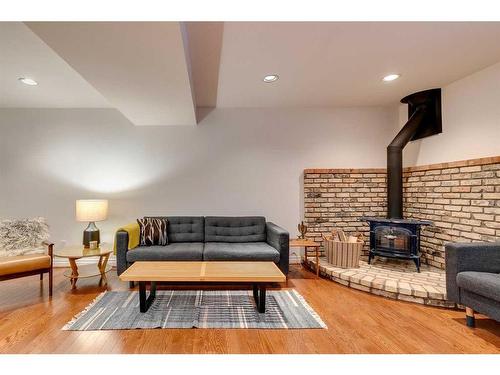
[473, 278]
[196, 238]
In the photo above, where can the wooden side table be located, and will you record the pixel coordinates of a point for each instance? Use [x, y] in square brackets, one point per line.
[307, 245]
[73, 253]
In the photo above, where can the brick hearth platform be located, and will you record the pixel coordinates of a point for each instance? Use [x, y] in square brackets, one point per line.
[393, 279]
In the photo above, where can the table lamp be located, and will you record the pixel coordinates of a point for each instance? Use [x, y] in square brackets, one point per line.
[91, 210]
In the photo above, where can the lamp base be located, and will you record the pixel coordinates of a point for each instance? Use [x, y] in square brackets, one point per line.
[91, 233]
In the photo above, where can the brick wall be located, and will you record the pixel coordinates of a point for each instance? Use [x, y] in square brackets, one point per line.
[338, 198]
[461, 198]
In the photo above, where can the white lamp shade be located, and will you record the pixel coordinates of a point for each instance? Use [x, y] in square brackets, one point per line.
[91, 209]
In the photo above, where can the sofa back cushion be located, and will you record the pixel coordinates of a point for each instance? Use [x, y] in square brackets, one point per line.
[235, 229]
[153, 231]
[185, 228]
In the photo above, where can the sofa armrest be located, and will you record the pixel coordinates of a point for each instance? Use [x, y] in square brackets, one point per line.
[279, 238]
[121, 243]
[476, 256]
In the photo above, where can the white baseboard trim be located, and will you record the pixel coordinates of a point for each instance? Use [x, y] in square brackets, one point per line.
[295, 258]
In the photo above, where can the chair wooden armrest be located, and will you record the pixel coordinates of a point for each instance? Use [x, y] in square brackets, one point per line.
[50, 252]
[50, 248]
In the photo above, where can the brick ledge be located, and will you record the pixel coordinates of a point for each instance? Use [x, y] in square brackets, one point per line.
[345, 170]
[453, 164]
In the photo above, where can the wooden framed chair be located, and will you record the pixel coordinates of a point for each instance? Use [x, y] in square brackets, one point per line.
[13, 267]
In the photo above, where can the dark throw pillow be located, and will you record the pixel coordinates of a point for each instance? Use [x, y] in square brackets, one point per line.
[153, 231]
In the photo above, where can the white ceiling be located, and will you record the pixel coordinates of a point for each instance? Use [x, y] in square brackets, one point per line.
[23, 54]
[158, 73]
[140, 67]
[342, 64]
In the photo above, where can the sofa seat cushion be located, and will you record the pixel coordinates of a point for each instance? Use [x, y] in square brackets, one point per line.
[483, 283]
[248, 251]
[23, 263]
[173, 251]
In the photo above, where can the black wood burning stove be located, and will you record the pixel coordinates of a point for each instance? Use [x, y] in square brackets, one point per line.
[395, 237]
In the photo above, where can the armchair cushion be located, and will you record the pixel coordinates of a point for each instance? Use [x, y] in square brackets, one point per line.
[483, 283]
[23, 263]
[475, 256]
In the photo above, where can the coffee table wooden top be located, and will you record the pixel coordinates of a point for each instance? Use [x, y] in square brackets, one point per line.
[204, 272]
[299, 242]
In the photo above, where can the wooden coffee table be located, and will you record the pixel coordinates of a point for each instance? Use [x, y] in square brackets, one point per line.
[257, 273]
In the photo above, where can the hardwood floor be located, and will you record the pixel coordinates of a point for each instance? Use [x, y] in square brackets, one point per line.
[357, 323]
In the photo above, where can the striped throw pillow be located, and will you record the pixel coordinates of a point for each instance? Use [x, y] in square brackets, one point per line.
[153, 231]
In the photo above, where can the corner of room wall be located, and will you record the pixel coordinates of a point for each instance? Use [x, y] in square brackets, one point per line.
[471, 120]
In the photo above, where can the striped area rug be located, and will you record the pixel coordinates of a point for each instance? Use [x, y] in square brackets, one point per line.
[285, 309]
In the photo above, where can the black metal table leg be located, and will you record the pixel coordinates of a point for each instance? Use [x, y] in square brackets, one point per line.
[152, 290]
[145, 302]
[259, 295]
[262, 298]
[142, 296]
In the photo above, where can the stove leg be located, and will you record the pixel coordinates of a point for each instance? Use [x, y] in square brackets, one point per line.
[417, 263]
[370, 256]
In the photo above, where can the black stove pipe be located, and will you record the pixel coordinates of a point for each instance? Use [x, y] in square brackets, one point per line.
[424, 112]
[395, 163]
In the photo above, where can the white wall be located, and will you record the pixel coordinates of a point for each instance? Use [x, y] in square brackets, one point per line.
[471, 122]
[235, 162]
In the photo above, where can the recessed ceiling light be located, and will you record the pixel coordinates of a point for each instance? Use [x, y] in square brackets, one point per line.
[28, 81]
[270, 78]
[391, 77]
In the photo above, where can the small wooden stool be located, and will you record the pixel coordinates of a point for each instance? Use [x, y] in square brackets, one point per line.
[307, 245]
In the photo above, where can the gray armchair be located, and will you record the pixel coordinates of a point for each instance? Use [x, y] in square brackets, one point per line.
[473, 278]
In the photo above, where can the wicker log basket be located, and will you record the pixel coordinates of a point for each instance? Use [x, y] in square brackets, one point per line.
[343, 251]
